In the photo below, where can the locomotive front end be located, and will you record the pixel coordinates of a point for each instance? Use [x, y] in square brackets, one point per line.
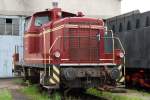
[80, 50]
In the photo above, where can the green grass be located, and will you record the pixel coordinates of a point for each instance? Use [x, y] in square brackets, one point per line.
[33, 93]
[18, 81]
[143, 92]
[55, 96]
[5, 95]
[110, 96]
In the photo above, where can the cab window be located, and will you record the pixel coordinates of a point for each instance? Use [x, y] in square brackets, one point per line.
[40, 20]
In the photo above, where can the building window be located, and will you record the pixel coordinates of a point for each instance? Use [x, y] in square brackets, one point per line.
[2, 26]
[129, 25]
[9, 26]
[15, 27]
[137, 24]
[8, 21]
[120, 27]
[147, 22]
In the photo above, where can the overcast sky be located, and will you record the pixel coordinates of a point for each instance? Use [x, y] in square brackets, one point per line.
[130, 5]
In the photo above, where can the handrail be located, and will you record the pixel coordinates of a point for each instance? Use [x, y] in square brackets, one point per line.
[120, 44]
[62, 37]
[118, 41]
[124, 60]
[83, 36]
[113, 45]
[88, 36]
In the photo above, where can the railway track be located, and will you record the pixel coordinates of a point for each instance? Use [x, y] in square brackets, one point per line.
[83, 97]
[80, 95]
[72, 94]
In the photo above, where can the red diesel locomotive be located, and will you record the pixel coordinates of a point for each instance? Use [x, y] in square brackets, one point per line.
[69, 50]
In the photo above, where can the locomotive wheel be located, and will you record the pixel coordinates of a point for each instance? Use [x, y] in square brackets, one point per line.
[33, 76]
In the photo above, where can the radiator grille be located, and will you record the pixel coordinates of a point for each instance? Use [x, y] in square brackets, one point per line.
[83, 44]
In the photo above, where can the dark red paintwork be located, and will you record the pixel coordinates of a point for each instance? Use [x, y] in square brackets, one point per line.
[84, 48]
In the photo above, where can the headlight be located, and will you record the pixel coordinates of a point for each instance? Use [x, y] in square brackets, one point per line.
[59, 14]
[57, 54]
[69, 73]
[121, 55]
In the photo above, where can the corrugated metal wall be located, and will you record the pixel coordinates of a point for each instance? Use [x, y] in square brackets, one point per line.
[134, 31]
[11, 32]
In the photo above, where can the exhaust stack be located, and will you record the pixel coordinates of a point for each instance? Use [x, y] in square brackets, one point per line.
[55, 3]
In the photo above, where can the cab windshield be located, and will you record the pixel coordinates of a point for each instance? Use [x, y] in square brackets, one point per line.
[40, 20]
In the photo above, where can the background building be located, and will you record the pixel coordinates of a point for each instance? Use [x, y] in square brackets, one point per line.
[11, 35]
[97, 8]
[13, 12]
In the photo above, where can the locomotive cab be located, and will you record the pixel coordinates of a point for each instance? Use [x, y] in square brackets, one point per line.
[62, 48]
[35, 24]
